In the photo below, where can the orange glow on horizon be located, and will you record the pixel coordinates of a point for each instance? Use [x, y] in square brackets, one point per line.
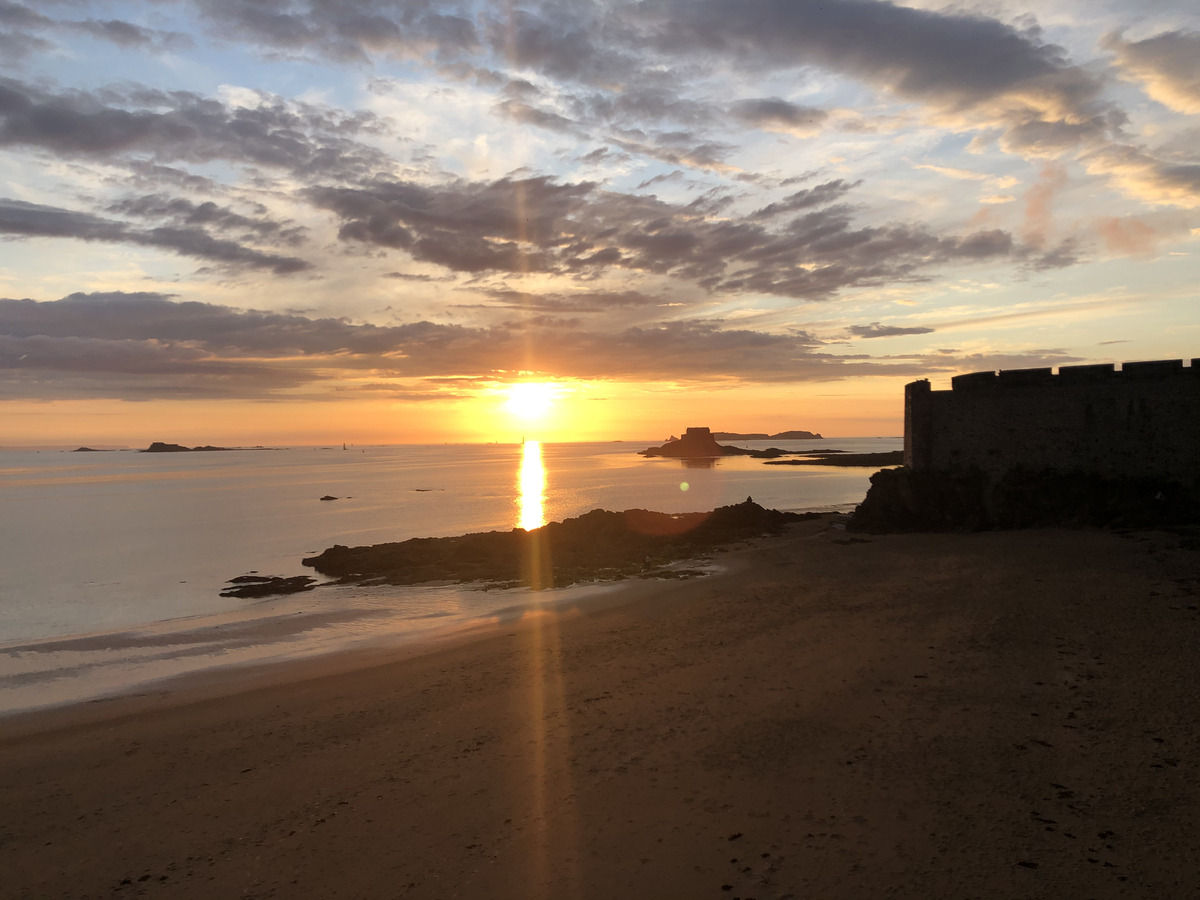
[592, 410]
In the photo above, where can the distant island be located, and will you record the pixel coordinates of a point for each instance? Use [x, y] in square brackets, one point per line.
[160, 447]
[700, 443]
[782, 436]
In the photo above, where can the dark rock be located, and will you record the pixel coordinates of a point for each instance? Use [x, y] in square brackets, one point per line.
[695, 443]
[906, 500]
[599, 544]
[250, 586]
[871, 460]
[329, 497]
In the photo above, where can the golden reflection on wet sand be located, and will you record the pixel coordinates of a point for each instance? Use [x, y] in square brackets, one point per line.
[549, 760]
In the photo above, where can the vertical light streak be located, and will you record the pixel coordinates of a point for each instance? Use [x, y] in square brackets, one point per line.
[531, 488]
[554, 831]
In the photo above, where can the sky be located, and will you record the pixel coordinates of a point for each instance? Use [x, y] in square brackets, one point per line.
[305, 221]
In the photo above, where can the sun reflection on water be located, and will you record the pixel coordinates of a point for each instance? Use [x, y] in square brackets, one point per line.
[531, 488]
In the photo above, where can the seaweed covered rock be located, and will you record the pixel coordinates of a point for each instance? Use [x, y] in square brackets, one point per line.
[597, 544]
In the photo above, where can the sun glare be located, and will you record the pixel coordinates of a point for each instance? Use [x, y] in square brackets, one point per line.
[530, 400]
[531, 487]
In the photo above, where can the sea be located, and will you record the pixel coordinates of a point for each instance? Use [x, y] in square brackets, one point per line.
[112, 563]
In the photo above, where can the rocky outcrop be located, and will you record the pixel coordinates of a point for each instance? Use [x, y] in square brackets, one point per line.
[696, 443]
[599, 544]
[253, 586]
[700, 443]
[906, 500]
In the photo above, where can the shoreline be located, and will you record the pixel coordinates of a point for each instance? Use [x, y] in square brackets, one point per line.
[273, 634]
[835, 715]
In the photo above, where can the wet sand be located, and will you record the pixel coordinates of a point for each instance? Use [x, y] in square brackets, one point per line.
[1007, 715]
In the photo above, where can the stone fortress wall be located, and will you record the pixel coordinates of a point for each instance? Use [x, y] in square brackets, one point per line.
[1141, 420]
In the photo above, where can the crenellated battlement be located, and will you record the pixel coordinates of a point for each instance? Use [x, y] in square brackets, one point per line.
[1152, 370]
[1136, 419]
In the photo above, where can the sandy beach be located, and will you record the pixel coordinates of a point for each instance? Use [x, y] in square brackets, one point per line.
[999, 715]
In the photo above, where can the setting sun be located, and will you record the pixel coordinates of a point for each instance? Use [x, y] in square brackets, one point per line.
[530, 400]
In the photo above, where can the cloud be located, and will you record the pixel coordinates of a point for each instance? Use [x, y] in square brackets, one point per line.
[1128, 236]
[804, 246]
[130, 36]
[963, 68]
[22, 219]
[151, 316]
[576, 302]
[182, 212]
[25, 22]
[1168, 65]
[1141, 175]
[346, 32]
[1039, 204]
[875, 330]
[774, 114]
[145, 344]
[166, 126]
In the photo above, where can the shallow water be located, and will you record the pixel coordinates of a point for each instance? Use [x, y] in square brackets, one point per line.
[132, 550]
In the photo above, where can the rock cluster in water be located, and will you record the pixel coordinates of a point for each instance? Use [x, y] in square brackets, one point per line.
[701, 443]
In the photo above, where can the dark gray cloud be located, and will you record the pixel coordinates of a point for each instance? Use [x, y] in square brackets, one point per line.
[875, 330]
[23, 25]
[64, 368]
[21, 219]
[168, 126]
[509, 225]
[182, 212]
[774, 114]
[126, 34]
[820, 195]
[950, 58]
[801, 247]
[952, 62]
[150, 316]
[145, 344]
[345, 31]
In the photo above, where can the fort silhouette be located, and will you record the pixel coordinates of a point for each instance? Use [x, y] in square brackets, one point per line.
[1140, 420]
[1092, 444]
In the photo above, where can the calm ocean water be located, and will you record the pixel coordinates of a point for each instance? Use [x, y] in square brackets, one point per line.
[113, 562]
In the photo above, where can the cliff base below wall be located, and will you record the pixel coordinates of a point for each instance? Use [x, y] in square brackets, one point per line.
[902, 500]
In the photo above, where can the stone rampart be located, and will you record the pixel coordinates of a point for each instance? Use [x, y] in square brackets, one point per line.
[1141, 420]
